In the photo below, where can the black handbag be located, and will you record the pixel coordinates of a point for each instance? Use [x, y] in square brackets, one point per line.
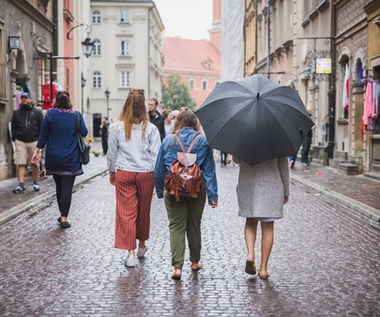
[84, 149]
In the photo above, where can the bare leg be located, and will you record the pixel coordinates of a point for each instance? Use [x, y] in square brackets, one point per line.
[267, 229]
[250, 238]
[21, 173]
[141, 244]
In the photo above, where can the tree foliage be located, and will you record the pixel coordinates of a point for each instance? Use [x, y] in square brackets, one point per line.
[175, 94]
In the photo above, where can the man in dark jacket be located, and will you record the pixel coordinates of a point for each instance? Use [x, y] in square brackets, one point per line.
[156, 118]
[26, 127]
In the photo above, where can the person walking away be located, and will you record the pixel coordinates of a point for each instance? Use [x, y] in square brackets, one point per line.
[104, 133]
[223, 159]
[168, 121]
[133, 146]
[262, 190]
[60, 136]
[306, 144]
[26, 127]
[292, 160]
[185, 216]
[156, 118]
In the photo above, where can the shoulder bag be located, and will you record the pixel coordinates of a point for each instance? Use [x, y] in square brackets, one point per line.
[84, 149]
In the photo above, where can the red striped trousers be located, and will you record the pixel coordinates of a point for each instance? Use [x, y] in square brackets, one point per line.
[134, 192]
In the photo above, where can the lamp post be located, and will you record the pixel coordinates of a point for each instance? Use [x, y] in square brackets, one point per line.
[107, 93]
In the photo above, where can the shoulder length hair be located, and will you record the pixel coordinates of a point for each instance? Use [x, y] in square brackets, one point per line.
[186, 119]
[134, 112]
[62, 100]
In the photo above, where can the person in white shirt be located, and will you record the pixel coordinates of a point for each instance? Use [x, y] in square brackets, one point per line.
[133, 146]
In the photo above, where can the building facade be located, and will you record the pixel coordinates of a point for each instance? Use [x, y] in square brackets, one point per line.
[127, 54]
[26, 35]
[372, 132]
[326, 50]
[198, 64]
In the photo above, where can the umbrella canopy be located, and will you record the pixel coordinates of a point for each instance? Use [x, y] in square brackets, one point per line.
[254, 119]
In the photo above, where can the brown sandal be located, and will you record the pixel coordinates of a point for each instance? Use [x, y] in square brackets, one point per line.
[176, 275]
[263, 277]
[196, 266]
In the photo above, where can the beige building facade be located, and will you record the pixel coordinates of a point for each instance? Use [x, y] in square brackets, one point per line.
[127, 53]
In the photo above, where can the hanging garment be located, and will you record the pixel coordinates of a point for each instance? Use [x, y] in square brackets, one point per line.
[368, 102]
[375, 93]
[346, 88]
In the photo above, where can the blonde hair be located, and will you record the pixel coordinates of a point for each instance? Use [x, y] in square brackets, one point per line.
[134, 112]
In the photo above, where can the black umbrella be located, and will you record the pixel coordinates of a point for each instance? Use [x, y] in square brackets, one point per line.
[254, 119]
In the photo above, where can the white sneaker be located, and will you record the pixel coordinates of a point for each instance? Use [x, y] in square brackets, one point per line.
[141, 252]
[130, 261]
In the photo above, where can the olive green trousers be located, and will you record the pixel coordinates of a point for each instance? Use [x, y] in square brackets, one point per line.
[185, 219]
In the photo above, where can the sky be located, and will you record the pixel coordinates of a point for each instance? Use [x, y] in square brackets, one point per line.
[190, 19]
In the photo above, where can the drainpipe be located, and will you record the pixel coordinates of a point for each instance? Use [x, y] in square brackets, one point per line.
[55, 27]
[332, 92]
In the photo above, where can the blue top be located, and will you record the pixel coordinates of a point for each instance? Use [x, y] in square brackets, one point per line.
[59, 134]
[205, 160]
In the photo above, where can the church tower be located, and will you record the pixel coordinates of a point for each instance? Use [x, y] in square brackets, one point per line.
[216, 30]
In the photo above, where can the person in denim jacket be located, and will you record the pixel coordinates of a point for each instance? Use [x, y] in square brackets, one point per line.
[185, 216]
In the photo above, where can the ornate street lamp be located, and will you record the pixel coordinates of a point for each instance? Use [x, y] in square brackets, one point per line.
[88, 47]
[107, 93]
[87, 44]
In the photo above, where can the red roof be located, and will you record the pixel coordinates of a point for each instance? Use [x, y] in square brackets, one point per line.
[190, 55]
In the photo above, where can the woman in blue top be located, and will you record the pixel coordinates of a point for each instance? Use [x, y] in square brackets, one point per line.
[185, 216]
[59, 135]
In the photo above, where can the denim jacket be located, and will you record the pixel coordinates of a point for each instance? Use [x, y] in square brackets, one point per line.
[205, 160]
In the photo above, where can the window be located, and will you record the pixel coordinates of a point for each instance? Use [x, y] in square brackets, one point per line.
[191, 84]
[97, 51]
[124, 48]
[204, 84]
[96, 18]
[124, 16]
[96, 80]
[125, 79]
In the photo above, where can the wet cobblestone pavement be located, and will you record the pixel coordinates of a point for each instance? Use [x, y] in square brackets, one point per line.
[363, 189]
[325, 262]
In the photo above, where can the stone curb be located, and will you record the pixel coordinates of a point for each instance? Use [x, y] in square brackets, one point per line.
[369, 213]
[41, 199]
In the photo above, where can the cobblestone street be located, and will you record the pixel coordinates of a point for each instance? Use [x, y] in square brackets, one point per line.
[325, 262]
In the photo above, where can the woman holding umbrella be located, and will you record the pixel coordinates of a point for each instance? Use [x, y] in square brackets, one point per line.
[262, 191]
[272, 121]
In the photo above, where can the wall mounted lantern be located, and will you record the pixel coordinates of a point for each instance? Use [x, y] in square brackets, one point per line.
[87, 44]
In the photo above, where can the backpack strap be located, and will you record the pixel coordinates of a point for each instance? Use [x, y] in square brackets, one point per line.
[191, 144]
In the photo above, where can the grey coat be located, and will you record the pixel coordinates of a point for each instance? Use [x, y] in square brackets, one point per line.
[261, 188]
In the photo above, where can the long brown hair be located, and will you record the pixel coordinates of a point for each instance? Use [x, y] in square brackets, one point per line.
[186, 119]
[62, 100]
[134, 112]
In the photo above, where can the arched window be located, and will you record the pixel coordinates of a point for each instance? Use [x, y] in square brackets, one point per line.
[97, 51]
[96, 80]
[358, 71]
[96, 17]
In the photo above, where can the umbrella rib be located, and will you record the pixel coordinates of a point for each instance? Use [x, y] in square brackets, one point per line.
[275, 117]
